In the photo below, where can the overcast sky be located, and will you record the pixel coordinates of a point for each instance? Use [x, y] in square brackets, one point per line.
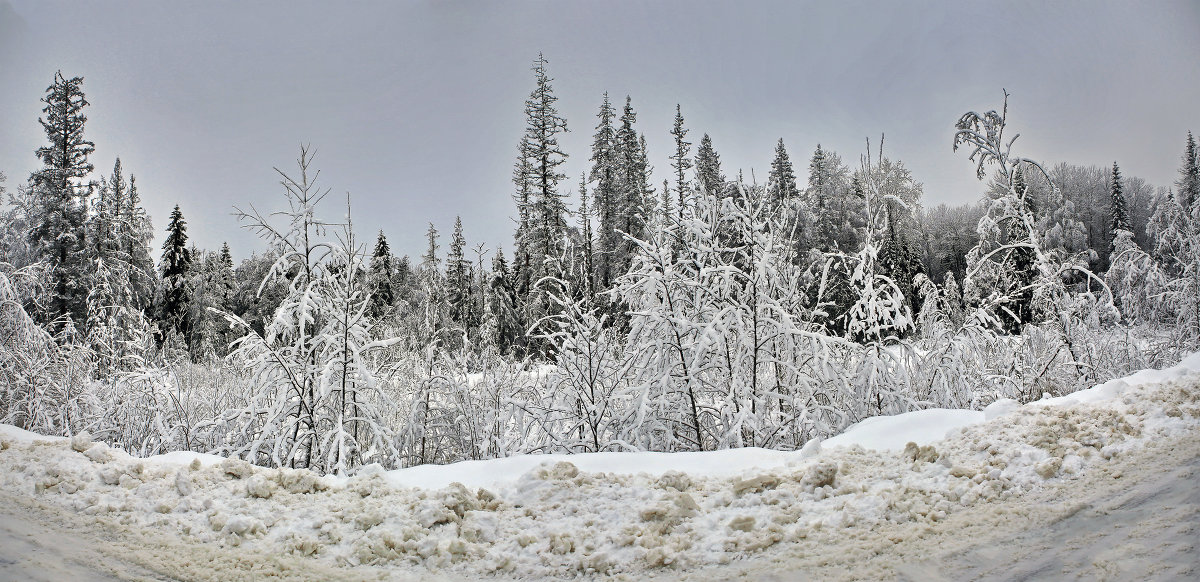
[416, 107]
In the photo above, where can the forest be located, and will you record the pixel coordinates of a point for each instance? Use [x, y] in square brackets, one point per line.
[706, 311]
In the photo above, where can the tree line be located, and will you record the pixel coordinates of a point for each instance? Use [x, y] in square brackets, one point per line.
[710, 312]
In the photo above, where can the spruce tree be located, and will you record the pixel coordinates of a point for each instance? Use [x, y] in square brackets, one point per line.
[680, 162]
[537, 176]
[708, 168]
[1189, 175]
[587, 260]
[781, 182]
[57, 229]
[175, 264]
[458, 281]
[633, 166]
[1120, 215]
[507, 326]
[605, 194]
[381, 275]
[134, 234]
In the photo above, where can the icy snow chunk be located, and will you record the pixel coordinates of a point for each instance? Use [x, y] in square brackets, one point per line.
[183, 483]
[742, 523]
[236, 468]
[81, 442]
[259, 487]
[819, 475]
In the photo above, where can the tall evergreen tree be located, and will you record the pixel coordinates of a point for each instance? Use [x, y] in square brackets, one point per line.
[175, 265]
[506, 326]
[606, 194]
[134, 233]
[708, 168]
[1120, 215]
[60, 210]
[633, 166]
[781, 182]
[587, 251]
[1189, 174]
[538, 176]
[458, 281]
[381, 274]
[680, 162]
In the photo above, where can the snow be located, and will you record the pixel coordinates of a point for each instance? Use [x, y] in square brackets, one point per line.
[861, 504]
[892, 433]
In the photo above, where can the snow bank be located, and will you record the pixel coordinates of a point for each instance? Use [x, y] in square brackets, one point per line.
[608, 513]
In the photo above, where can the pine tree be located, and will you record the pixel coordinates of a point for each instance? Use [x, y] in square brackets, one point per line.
[1120, 215]
[381, 274]
[680, 162]
[708, 168]
[781, 182]
[57, 228]
[1189, 175]
[176, 263]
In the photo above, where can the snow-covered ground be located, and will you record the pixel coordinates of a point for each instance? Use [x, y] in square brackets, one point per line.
[1097, 484]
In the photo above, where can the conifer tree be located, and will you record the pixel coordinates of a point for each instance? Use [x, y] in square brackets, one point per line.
[781, 182]
[506, 324]
[175, 264]
[605, 195]
[381, 274]
[458, 281]
[1120, 215]
[537, 176]
[1189, 175]
[633, 178]
[134, 233]
[680, 162]
[57, 225]
[434, 324]
[588, 260]
[708, 168]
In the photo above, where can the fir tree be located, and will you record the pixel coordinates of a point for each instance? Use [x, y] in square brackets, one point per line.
[781, 182]
[606, 194]
[175, 264]
[588, 260]
[57, 225]
[708, 168]
[458, 281]
[542, 208]
[1120, 215]
[680, 162]
[381, 274]
[506, 324]
[1189, 175]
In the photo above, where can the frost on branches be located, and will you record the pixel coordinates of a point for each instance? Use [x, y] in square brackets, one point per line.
[316, 401]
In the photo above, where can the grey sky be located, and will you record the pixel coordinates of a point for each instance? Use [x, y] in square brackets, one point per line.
[416, 107]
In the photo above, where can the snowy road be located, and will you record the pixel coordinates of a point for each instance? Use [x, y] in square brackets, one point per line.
[38, 543]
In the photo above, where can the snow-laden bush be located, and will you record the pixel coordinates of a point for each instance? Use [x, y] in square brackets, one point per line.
[45, 380]
[315, 401]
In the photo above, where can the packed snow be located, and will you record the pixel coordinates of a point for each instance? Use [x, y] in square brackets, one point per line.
[868, 500]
